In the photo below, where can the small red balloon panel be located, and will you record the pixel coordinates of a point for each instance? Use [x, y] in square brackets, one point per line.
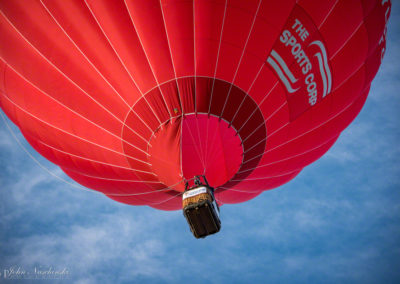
[131, 98]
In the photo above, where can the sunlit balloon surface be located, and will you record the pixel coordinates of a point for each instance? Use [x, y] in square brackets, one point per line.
[131, 98]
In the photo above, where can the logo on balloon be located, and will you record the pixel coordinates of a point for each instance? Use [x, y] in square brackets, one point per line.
[300, 60]
[283, 71]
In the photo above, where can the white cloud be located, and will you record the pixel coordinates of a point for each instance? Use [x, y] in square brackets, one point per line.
[91, 249]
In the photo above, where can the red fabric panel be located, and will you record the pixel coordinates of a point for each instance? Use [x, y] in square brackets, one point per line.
[152, 36]
[76, 20]
[160, 200]
[178, 17]
[346, 17]
[114, 20]
[238, 22]
[118, 187]
[318, 10]
[186, 92]
[173, 203]
[54, 83]
[165, 151]
[209, 16]
[231, 197]
[253, 185]
[43, 34]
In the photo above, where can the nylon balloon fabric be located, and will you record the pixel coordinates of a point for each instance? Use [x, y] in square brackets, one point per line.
[131, 98]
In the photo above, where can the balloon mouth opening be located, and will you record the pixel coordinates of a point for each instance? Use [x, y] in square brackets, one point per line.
[194, 126]
[195, 144]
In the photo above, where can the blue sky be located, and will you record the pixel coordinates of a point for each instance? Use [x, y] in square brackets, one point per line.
[337, 222]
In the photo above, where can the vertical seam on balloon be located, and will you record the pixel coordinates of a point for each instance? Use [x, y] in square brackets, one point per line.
[223, 156]
[327, 15]
[80, 51]
[172, 59]
[73, 135]
[71, 110]
[194, 142]
[212, 150]
[200, 145]
[180, 150]
[151, 67]
[151, 137]
[59, 71]
[207, 157]
[219, 49]
[255, 79]
[241, 57]
[206, 148]
[123, 65]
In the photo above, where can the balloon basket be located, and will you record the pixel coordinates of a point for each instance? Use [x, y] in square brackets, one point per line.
[201, 210]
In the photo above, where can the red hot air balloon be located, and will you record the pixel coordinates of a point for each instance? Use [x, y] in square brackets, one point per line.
[131, 98]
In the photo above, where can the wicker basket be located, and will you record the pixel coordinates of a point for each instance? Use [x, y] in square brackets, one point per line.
[201, 211]
[196, 198]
